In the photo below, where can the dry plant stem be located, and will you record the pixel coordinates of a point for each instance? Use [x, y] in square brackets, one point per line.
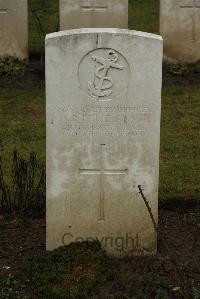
[164, 242]
[5, 198]
[148, 208]
[26, 191]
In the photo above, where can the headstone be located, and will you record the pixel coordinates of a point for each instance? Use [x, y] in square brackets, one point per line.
[14, 28]
[180, 28]
[103, 128]
[93, 13]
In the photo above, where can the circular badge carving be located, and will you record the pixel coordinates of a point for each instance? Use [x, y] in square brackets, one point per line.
[104, 74]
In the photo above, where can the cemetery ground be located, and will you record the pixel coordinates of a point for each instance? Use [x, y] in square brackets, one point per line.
[83, 270]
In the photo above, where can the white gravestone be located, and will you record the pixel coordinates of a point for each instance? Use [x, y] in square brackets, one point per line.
[103, 129]
[180, 28]
[93, 13]
[14, 28]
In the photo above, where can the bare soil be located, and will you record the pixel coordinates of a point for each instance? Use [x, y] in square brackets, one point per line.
[180, 228]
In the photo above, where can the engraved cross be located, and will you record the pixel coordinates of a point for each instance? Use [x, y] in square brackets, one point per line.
[195, 4]
[102, 171]
[93, 6]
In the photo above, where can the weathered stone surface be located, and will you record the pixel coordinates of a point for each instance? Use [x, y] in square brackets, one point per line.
[103, 128]
[180, 29]
[14, 28]
[93, 13]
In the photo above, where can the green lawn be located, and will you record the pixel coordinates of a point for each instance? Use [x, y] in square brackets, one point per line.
[144, 15]
[179, 156]
[22, 122]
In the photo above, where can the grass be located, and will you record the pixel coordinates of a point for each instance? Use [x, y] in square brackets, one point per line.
[22, 122]
[144, 15]
[179, 157]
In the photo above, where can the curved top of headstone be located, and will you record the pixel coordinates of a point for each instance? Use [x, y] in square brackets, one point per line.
[103, 30]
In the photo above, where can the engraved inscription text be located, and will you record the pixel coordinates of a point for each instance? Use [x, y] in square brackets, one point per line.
[115, 121]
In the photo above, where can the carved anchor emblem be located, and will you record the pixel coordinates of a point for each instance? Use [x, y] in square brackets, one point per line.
[104, 85]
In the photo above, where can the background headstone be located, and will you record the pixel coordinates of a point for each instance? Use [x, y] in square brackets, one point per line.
[93, 13]
[14, 28]
[103, 129]
[180, 29]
